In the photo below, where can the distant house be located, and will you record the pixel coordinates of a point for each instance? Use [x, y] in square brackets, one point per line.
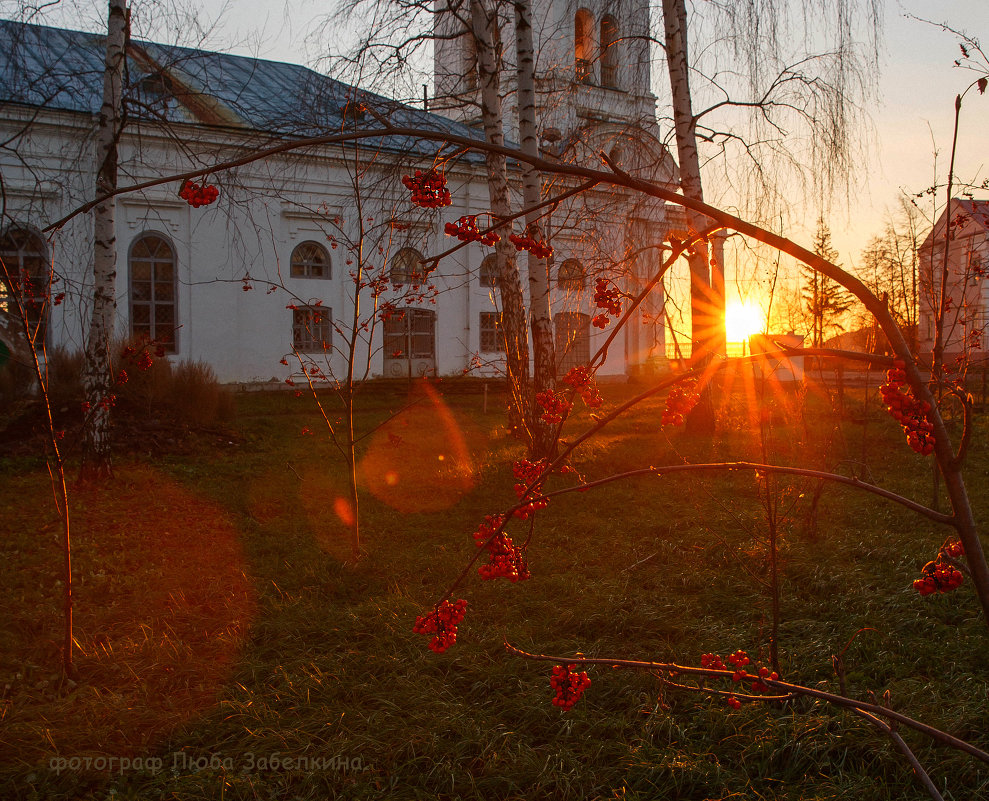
[287, 221]
[965, 228]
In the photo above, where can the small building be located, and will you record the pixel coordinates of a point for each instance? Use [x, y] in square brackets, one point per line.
[769, 364]
[964, 231]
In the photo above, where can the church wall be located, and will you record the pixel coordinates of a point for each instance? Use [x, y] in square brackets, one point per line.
[264, 211]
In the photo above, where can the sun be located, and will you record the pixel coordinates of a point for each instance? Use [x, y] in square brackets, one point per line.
[742, 320]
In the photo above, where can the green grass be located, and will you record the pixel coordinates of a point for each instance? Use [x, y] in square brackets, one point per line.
[215, 617]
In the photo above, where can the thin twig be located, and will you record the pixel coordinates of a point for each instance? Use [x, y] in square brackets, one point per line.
[787, 687]
[922, 775]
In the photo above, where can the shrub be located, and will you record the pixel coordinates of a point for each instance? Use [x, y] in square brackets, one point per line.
[16, 382]
[196, 397]
[147, 387]
[64, 378]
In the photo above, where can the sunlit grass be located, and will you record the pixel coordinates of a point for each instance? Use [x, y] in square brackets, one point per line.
[224, 622]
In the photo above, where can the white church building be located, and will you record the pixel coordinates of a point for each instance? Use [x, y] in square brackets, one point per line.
[267, 271]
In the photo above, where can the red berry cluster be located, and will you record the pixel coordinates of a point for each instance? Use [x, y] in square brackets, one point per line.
[606, 296]
[197, 195]
[582, 380]
[910, 413]
[682, 399]
[555, 407]
[940, 575]
[442, 622]
[428, 189]
[541, 250]
[525, 473]
[505, 559]
[466, 230]
[738, 661]
[569, 685]
[141, 357]
[953, 549]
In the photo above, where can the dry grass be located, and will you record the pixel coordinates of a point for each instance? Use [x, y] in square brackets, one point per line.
[216, 619]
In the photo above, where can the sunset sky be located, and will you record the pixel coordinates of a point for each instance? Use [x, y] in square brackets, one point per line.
[917, 87]
[913, 120]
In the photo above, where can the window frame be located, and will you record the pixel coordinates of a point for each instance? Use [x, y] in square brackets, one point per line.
[489, 330]
[305, 265]
[609, 52]
[584, 29]
[171, 344]
[568, 280]
[409, 317]
[487, 273]
[398, 278]
[35, 304]
[305, 336]
[576, 350]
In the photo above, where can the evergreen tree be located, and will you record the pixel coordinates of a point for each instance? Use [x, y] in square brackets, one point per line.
[825, 301]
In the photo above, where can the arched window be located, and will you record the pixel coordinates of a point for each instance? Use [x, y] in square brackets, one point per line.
[310, 260]
[609, 52]
[25, 257]
[571, 275]
[152, 290]
[573, 340]
[489, 270]
[584, 45]
[406, 267]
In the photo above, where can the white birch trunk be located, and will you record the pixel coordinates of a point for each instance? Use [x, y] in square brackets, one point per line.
[484, 23]
[544, 349]
[706, 304]
[97, 376]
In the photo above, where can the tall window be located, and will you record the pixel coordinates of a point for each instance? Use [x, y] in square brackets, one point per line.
[584, 45]
[406, 267]
[571, 275]
[492, 340]
[152, 290]
[312, 331]
[609, 52]
[24, 256]
[573, 340]
[310, 260]
[410, 334]
[489, 270]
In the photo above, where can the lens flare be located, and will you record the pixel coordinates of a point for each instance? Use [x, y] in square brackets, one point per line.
[742, 320]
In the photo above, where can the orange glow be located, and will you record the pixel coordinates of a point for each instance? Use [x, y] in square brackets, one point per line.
[344, 511]
[419, 461]
[742, 320]
[166, 603]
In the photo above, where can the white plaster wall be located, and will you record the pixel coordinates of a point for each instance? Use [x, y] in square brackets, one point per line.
[264, 211]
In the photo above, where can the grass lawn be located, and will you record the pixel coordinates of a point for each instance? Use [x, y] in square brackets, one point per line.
[227, 650]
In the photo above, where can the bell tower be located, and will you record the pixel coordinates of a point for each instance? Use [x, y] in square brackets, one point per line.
[593, 96]
[592, 65]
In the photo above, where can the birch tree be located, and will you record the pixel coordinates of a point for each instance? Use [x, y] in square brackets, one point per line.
[484, 28]
[97, 375]
[539, 291]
